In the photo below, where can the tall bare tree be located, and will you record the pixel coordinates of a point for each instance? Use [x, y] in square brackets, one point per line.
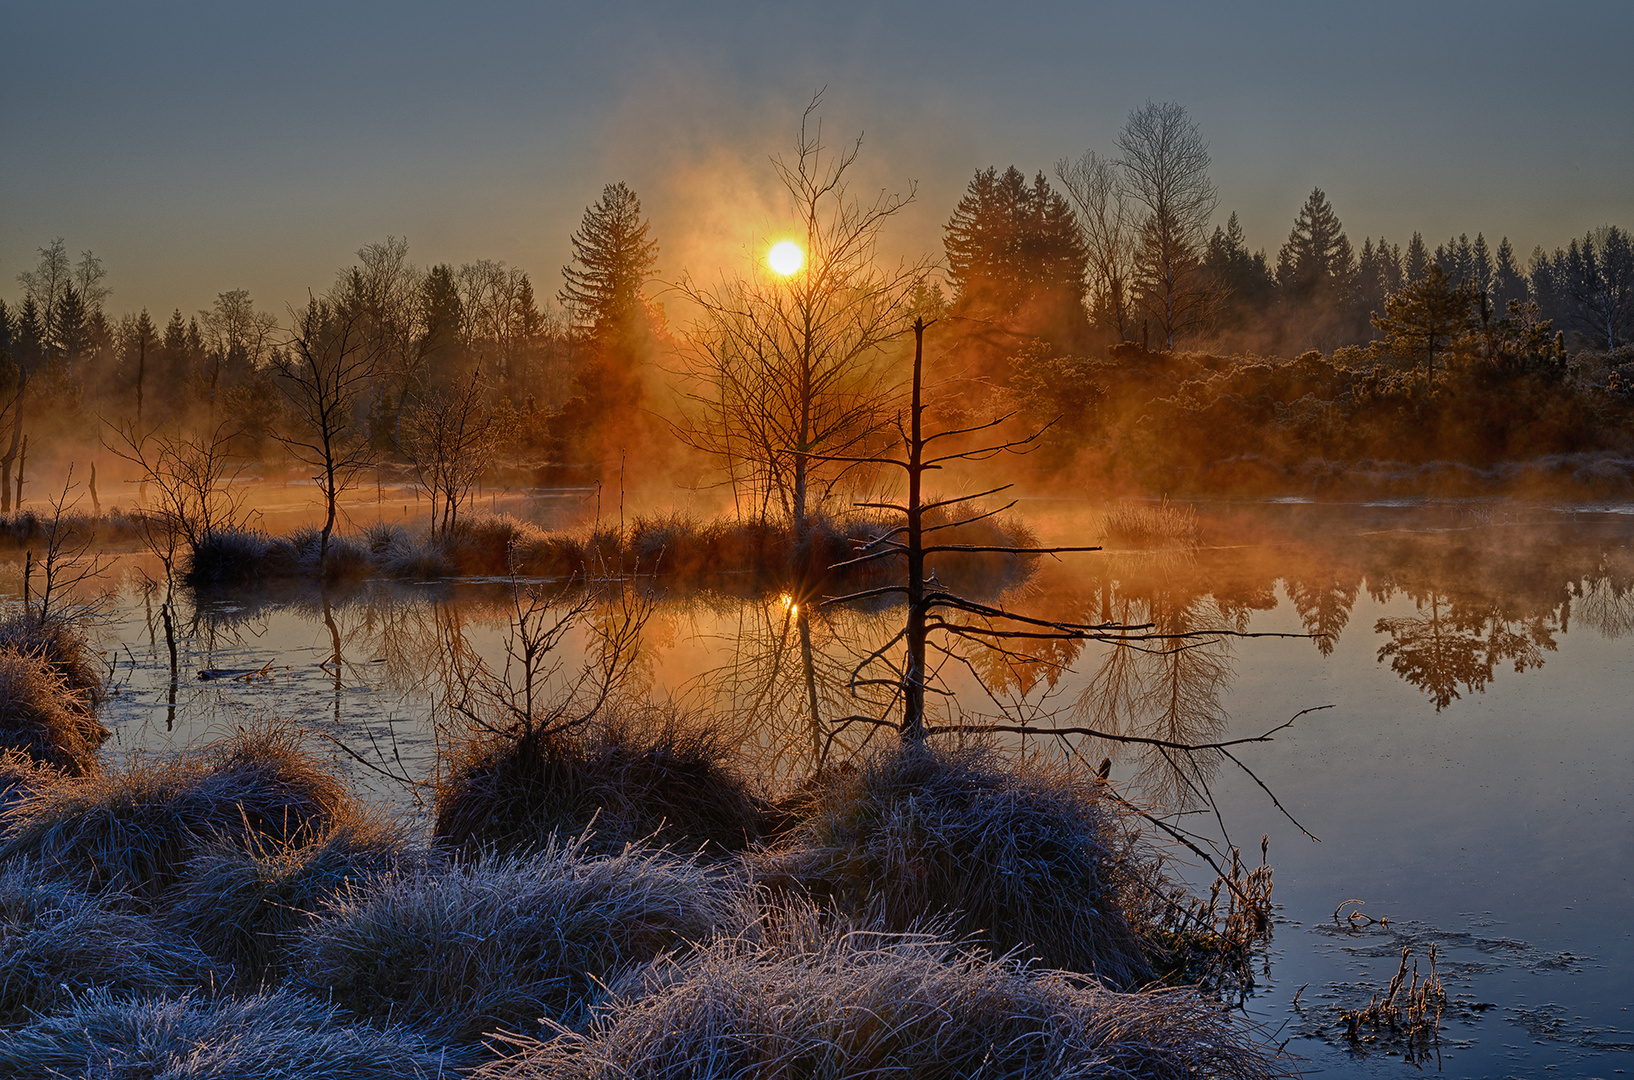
[1106, 220]
[789, 368]
[1164, 161]
[327, 367]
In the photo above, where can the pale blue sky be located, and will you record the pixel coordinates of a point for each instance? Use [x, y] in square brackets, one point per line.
[210, 146]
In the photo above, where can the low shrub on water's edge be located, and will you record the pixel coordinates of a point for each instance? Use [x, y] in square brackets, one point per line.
[273, 1035]
[857, 1003]
[467, 949]
[132, 828]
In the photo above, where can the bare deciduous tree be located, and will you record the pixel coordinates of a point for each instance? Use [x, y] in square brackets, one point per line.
[450, 439]
[1105, 219]
[789, 368]
[329, 364]
[1165, 171]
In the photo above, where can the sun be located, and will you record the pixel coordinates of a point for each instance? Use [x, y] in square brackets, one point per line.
[785, 257]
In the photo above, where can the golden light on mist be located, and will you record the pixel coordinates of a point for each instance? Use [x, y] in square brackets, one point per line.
[785, 257]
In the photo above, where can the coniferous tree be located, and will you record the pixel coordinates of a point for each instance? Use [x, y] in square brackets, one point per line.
[1426, 317]
[1481, 264]
[614, 327]
[70, 330]
[1316, 277]
[1246, 285]
[613, 256]
[1416, 262]
[1015, 248]
[1508, 283]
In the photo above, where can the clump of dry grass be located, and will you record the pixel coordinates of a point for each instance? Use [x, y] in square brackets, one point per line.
[485, 545]
[1018, 856]
[43, 716]
[628, 778]
[821, 1002]
[63, 646]
[57, 942]
[245, 905]
[276, 1035]
[21, 776]
[1143, 524]
[505, 942]
[132, 828]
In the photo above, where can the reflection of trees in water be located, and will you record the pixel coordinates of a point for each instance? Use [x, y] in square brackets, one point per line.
[1324, 598]
[1161, 691]
[1606, 604]
[781, 684]
[1453, 641]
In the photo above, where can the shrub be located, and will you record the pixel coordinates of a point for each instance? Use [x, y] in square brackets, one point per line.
[132, 828]
[1015, 856]
[277, 1035]
[246, 905]
[505, 942]
[224, 558]
[482, 546]
[43, 716]
[57, 942]
[626, 779]
[860, 1004]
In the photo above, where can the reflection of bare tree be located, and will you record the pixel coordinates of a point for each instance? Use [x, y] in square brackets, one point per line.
[1451, 642]
[783, 683]
[1607, 605]
[1169, 692]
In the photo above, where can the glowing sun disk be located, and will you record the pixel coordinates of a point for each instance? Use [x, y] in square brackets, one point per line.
[785, 257]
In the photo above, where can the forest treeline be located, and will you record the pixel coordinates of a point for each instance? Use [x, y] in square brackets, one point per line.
[1111, 304]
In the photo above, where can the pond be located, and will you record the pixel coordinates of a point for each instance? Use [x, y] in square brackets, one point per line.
[1471, 783]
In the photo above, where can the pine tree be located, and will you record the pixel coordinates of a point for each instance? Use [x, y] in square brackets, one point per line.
[1508, 283]
[1426, 317]
[1316, 265]
[1244, 278]
[1481, 264]
[1417, 261]
[613, 256]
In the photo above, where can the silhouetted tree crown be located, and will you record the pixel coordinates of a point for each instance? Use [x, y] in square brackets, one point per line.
[613, 256]
[1013, 246]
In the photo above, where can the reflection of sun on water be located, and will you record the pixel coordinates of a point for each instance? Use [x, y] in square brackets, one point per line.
[785, 257]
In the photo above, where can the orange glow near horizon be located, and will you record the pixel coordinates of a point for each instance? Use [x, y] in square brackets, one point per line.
[785, 257]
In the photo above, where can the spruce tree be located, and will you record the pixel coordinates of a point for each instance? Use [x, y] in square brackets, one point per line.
[1316, 265]
[1481, 264]
[1416, 262]
[1508, 283]
[613, 257]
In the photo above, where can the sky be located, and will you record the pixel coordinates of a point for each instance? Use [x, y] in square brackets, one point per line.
[198, 148]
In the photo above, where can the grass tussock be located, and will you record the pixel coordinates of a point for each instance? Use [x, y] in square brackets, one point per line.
[57, 942]
[629, 778]
[62, 645]
[1148, 525]
[274, 1035]
[44, 717]
[21, 776]
[246, 905]
[837, 1005]
[133, 828]
[500, 944]
[231, 557]
[1016, 856]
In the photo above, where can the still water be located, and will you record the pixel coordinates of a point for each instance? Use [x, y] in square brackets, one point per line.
[1472, 783]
